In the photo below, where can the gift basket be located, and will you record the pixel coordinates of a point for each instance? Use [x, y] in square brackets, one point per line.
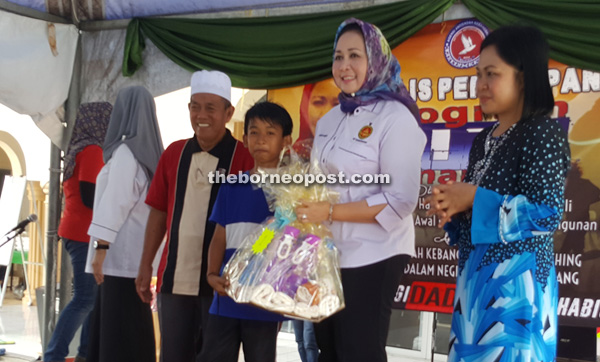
[286, 266]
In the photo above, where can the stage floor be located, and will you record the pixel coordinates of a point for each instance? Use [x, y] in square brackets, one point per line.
[19, 324]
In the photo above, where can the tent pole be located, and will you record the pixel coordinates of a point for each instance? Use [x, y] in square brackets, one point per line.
[54, 211]
[48, 320]
[72, 104]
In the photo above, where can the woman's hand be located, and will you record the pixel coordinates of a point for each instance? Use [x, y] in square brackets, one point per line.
[142, 283]
[97, 263]
[450, 199]
[218, 283]
[313, 212]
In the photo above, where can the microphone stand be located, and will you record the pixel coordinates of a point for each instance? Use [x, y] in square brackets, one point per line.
[9, 266]
[17, 232]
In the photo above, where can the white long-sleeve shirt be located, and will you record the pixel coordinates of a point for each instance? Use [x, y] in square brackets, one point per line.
[394, 147]
[120, 214]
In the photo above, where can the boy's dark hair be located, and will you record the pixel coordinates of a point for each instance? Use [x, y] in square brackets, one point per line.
[271, 113]
[525, 48]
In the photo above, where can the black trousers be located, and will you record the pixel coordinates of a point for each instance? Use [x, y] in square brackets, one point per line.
[359, 332]
[121, 328]
[224, 336]
[183, 319]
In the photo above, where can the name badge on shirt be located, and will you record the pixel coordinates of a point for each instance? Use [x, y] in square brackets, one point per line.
[365, 132]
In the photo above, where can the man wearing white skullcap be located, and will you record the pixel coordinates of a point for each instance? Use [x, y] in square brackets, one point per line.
[181, 200]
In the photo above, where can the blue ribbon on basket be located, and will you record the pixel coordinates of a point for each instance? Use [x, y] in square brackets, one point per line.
[283, 217]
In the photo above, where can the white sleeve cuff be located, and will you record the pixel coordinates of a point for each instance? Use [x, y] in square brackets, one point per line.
[100, 232]
[387, 217]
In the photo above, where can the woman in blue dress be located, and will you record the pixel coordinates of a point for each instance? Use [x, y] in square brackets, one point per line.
[502, 218]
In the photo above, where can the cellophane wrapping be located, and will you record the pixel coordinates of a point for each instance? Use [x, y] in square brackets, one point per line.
[286, 266]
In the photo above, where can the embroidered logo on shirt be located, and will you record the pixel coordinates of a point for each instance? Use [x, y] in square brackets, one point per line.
[365, 132]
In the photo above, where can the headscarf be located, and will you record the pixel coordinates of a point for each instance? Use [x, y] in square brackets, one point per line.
[90, 129]
[383, 80]
[134, 123]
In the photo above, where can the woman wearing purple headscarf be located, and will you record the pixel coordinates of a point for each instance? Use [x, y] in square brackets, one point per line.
[374, 130]
[83, 162]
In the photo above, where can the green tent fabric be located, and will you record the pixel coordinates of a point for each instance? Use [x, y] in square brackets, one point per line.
[270, 52]
[572, 27]
[284, 51]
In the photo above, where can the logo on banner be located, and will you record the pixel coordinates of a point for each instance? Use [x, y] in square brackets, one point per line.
[461, 47]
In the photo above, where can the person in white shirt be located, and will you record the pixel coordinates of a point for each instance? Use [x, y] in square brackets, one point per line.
[121, 326]
[374, 130]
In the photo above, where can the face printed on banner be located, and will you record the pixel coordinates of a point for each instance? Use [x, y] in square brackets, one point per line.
[350, 62]
[499, 86]
[265, 141]
[208, 114]
[322, 98]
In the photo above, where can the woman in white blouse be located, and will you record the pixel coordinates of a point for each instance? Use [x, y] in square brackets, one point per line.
[374, 130]
[121, 327]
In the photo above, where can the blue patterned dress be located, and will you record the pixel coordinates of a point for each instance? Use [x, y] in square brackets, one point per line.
[506, 291]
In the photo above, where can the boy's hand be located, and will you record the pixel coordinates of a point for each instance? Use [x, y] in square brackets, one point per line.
[218, 283]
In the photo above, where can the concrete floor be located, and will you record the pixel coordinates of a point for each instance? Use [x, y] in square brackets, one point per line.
[19, 323]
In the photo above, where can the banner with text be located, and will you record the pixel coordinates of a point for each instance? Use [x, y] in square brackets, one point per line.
[438, 69]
